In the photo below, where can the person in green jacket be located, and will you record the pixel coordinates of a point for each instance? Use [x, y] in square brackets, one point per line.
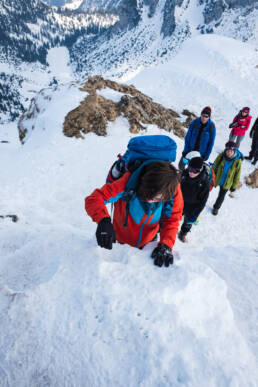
[227, 168]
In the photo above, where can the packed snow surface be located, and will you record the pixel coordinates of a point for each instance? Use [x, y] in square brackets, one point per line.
[73, 314]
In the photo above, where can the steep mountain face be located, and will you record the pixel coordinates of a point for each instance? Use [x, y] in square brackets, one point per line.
[213, 10]
[28, 28]
[162, 26]
[114, 37]
[10, 96]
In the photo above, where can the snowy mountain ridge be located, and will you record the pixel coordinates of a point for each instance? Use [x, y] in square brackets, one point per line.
[73, 314]
[29, 28]
[114, 42]
[159, 37]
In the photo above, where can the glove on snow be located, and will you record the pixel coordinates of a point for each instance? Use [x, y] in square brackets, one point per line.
[162, 254]
[232, 189]
[105, 233]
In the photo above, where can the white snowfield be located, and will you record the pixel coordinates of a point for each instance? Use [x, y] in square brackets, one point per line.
[73, 314]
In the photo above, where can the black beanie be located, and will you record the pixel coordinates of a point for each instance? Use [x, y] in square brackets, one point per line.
[197, 163]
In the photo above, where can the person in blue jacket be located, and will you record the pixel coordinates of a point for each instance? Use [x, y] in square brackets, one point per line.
[200, 136]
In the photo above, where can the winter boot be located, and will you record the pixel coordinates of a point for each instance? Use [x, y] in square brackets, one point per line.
[215, 211]
[182, 236]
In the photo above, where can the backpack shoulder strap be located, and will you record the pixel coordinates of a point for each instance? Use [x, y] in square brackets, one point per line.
[211, 127]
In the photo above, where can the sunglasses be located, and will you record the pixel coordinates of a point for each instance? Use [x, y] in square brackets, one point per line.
[230, 148]
[194, 170]
[205, 115]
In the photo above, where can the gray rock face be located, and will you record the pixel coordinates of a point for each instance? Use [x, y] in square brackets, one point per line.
[241, 3]
[56, 3]
[169, 23]
[129, 15]
[213, 9]
[28, 28]
[152, 6]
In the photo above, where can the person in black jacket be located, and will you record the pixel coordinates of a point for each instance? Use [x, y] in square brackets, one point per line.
[254, 147]
[195, 189]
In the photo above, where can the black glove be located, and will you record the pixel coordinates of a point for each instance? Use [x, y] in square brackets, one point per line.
[162, 254]
[184, 154]
[232, 124]
[232, 189]
[105, 233]
[204, 158]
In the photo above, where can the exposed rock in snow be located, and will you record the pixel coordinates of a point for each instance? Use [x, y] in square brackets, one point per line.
[252, 179]
[97, 110]
[190, 117]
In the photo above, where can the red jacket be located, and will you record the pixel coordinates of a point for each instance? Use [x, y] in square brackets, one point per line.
[143, 223]
[242, 125]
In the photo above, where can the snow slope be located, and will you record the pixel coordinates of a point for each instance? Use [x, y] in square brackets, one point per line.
[73, 314]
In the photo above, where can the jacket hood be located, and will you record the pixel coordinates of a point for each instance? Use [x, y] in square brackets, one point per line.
[237, 155]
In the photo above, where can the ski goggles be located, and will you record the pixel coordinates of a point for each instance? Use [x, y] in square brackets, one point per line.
[194, 170]
[230, 148]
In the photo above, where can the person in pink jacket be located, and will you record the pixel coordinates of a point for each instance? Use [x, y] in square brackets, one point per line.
[239, 126]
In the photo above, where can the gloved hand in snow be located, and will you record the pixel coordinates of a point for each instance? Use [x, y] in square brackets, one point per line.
[232, 189]
[162, 254]
[105, 233]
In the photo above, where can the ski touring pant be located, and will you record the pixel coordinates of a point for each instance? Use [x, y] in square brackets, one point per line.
[254, 149]
[220, 198]
[236, 139]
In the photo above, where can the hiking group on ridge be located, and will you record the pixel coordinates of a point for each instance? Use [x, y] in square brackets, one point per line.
[150, 195]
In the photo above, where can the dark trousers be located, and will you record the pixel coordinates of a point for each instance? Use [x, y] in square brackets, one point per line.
[254, 149]
[220, 198]
[185, 228]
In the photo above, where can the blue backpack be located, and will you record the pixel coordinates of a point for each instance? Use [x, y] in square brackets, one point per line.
[141, 151]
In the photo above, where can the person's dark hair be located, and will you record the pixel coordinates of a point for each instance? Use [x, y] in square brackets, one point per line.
[159, 177]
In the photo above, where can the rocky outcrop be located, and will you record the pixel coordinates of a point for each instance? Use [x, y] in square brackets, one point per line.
[95, 111]
[14, 218]
[28, 120]
[190, 117]
[252, 179]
